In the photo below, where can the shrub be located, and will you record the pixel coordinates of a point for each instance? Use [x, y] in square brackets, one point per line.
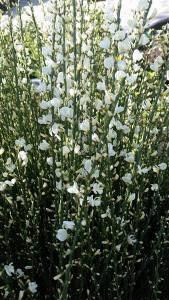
[84, 156]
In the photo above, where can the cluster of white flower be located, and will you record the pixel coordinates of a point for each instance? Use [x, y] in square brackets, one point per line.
[93, 122]
[62, 234]
[10, 271]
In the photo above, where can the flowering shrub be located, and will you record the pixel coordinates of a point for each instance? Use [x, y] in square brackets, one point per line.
[83, 156]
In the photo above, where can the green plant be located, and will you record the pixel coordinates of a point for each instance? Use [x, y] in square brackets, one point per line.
[83, 157]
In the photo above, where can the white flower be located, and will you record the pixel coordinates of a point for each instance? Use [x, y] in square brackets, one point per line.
[60, 78]
[119, 35]
[49, 161]
[98, 104]
[154, 131]
[87, 165]
[19, 273]
[131, 240]
[98, 188]
[143, 170]
[143, 4]
[137, 55]
[9, 269]
[73, 189]
[136, 67]
[10, 182]
[97, 201]
[95, 137]
[28, 267]
[109, 62]
[120, 75]
[62, 235]
[10, 167]
[132, 23]
[44, 146]
[77, 149]
[66, 150]
[107, 98]
[111, 151]
[146, 104]
[116, 123]
[118, 109]
[47, 70]
[125, 129]
[84, 125]
[106, 214]
[157, 64]
[131, 78]
[27, 147]
[144, 40]
[109, 11]
[105, 43]
[59, 185]
[127, 178]
[54, 130]
[22, 156]
[112, 28]
[94, 202]
[21, 293]
[137, 130]
[56, 102]
[129, 157]
[2, 186]
[121, 65]
[162, 166]
[32, 286]
[68, 224]
[124, 46]
[101, 86]
[112, 134]
[9, 161]
[66, 112]
[45, 119]
[36, 82]
[20, 142]
[46, 51]
[83, 222]
[154, 67]
[45, 104]
[167, 80]
[1, 151]
[58, 172]
[96, 174]
[39, 86]
[131, 198]
[86, 63]
[118, 247]
[159, 60]
[154, 187]
[156, 169]
[84, 99]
